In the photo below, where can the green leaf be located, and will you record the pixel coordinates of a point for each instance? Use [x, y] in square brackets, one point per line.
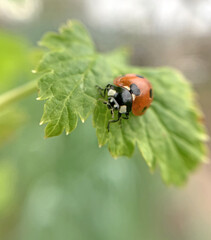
[170, 135]
[70, 72]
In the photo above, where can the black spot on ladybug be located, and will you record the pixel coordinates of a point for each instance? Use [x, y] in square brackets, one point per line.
[144, 109]
[134, 89]
[139, 76]
[150, 93]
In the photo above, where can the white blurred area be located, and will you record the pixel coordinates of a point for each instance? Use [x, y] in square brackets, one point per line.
[175, 33]
[152, 16]
[19, 10]
[140, 16]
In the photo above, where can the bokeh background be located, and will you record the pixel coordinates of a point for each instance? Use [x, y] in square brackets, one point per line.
[68, 188]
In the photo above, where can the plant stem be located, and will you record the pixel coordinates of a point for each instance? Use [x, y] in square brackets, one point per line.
[17, 93]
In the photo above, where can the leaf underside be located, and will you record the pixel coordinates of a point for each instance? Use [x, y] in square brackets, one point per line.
[170, 135]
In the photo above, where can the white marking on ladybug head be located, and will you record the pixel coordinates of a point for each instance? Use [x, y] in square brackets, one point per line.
[111, 92]
[133, 96]
[128, 88]
[116, 106]
[123, 109]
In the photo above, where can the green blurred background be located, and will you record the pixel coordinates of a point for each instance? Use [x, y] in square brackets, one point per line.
[68, 188]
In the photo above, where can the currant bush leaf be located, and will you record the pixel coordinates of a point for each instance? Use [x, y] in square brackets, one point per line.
[70, 72]
[170, 135]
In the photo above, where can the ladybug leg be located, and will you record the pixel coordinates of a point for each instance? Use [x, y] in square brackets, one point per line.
[108, 105]
[103, 100]
[113, 121]
[126, 116]
[101, 91]
[108, 86]
[112, 112]
[121, 117]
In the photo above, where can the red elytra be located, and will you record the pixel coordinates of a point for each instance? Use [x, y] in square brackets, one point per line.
[144, 99]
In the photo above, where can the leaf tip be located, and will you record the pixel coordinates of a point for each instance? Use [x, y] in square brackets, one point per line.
[82, 120]
[38, 98]
[41, 123]
[99, 145]
[34, 71]
[67, 133]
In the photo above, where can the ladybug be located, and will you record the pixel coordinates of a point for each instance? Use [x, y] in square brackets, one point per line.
[130, 92]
